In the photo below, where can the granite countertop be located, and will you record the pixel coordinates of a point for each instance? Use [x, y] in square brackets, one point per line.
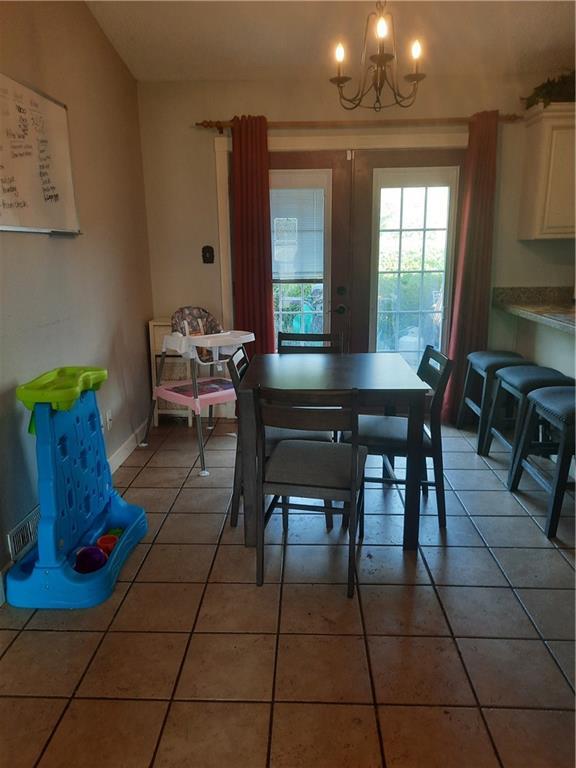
[549, 306]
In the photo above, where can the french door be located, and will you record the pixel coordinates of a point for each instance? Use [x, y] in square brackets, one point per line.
[362, 245]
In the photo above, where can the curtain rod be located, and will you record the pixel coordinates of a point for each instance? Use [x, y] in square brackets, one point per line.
[221, 125]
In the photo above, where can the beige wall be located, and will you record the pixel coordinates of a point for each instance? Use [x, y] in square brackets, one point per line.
[82, 300]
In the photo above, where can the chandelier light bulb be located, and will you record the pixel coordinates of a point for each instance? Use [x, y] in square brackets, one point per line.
[339, 53]
[416, 50]
[381, 28]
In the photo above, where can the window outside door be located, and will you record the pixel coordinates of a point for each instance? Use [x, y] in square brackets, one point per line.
[300, 218]
[414, 211]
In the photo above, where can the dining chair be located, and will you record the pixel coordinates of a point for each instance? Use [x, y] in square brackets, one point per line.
[387, 436]
[309, 343]
[237, 367]
[306, 468]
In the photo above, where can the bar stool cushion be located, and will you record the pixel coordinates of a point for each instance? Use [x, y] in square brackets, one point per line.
[558, 402]
[526, 378]
[490, 361]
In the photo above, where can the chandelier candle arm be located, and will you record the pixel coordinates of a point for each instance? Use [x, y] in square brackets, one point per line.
[378, 73]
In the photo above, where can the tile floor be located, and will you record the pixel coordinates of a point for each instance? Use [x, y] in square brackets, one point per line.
[458, 656]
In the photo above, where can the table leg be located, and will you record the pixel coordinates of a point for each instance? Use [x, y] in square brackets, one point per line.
[413, 471]
[247, 435]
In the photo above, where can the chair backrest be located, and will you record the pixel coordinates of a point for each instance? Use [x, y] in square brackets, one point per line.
[309, 343]
[237, 366]
[314, 411]
[435, 369]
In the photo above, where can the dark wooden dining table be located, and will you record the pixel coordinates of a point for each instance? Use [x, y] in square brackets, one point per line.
[381, 378]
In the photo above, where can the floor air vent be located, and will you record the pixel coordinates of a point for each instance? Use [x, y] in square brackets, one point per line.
[24, 535]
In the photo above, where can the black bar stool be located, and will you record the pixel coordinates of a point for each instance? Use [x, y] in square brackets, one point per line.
[555, 406]
[518, 381]
[484, 365]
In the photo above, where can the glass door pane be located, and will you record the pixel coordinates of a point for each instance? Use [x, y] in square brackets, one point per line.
[300, 251]
[413, 216]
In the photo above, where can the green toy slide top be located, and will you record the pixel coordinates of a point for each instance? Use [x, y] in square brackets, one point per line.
[60, 387]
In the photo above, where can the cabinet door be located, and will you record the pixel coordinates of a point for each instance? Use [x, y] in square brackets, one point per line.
[559, 206]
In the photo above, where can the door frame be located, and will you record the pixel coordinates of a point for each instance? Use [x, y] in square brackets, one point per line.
[388, 138]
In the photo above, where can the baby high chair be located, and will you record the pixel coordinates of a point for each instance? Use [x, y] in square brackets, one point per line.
[198, 337]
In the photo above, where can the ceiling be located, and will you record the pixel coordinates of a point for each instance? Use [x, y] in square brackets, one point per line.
[268, 41]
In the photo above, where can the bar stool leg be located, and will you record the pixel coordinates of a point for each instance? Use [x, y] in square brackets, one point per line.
[520, 419]
[484, 412]
[564, 459]
[465, 393]
[521, 449]
[492, 419]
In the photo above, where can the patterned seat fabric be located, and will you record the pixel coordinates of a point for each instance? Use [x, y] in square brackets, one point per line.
[559, 402]
[200, 323]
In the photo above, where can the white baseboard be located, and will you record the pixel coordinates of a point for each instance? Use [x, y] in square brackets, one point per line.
[121, 454]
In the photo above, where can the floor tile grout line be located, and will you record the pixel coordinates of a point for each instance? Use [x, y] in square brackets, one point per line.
[462, 662]
[370, 673]
[185, 654]
[276, 652]
[315, 702]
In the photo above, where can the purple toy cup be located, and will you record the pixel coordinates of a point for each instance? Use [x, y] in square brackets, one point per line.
[89, 559]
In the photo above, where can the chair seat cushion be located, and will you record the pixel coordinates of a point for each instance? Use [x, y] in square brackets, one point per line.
[388, 433]
[557, 402]
[490, 361]
[525, 378]
[304, 462]
[275, 434]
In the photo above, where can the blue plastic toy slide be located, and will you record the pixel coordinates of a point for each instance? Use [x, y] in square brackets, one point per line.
[78, 504]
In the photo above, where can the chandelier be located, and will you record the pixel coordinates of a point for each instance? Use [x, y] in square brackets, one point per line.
[379, 78]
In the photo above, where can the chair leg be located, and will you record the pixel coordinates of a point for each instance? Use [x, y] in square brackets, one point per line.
[492, 419]
[485, 403]
[285, 505]
[361, 514]
[521, 449]
[563, 462]
[424, 477]
[439, 483]
[203, 471]
[261, 512]
[462, 408]
[352, 547]
[328, 514]
[237, 489]
[345, 518]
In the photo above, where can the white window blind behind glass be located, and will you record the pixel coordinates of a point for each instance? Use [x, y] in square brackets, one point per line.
[297, 218]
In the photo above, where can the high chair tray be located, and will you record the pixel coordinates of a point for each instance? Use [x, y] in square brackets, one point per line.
[226, 342]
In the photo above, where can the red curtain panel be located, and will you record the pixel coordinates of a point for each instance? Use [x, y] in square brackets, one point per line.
[251, 240]
[472, 277]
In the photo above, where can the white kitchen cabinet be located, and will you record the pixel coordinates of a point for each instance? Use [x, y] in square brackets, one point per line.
[547, 204]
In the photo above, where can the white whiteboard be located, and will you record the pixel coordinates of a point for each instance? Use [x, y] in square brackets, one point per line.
[36, 190]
